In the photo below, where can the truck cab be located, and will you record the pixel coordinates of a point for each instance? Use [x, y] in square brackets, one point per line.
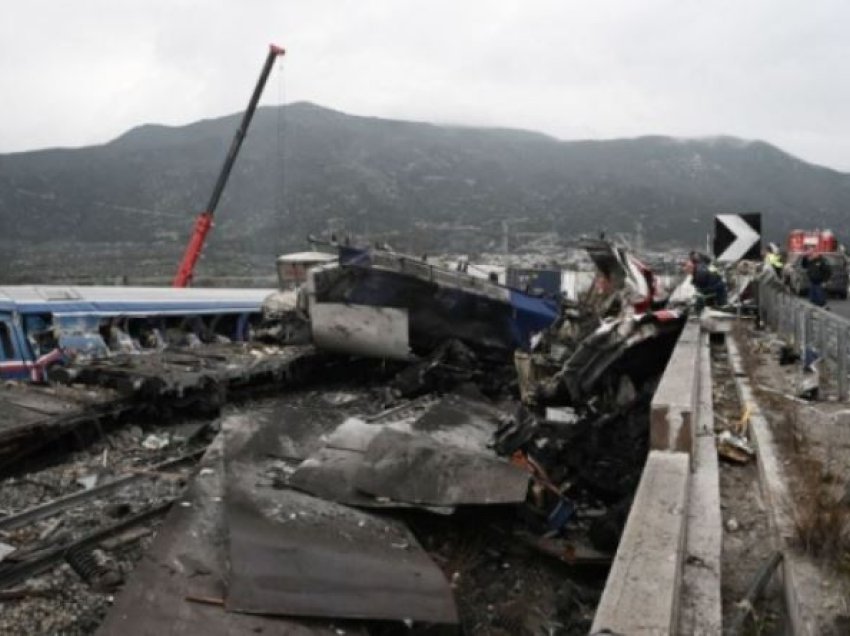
[795, 277]
[824, 242]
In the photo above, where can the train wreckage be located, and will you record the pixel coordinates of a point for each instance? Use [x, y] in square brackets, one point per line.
[436, 429]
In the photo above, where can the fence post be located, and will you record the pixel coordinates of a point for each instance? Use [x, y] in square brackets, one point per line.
[777, 310]
[797, 327]
[808, 328]
[821, 334]
[841, 363]
[766, 304]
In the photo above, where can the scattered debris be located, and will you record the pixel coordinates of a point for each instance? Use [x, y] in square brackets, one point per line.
[808, 383]
[734, 448]
[43, 560]
[755, 590]
[91, 566]
[32, 416]
[6, 550]
[155, 442]
[502, 436]
[788, 355]
[51, 527]
[88, 481]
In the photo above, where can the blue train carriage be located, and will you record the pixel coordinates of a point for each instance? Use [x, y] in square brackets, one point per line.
[41, 326]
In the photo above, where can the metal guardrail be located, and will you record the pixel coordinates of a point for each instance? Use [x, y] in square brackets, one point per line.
[806, 325]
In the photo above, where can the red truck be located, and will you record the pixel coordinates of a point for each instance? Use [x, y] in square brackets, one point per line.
[801, 241]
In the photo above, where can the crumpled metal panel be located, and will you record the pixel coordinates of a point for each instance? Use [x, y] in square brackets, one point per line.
[295, 555]
[454, 424]
[330, 474]
[462, 422]
[418, 469]
[179, 585]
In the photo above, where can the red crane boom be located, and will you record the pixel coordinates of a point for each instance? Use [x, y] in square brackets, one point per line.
[204, 222]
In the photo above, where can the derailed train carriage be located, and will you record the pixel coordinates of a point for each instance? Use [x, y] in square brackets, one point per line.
[41, 326]
[376, 302]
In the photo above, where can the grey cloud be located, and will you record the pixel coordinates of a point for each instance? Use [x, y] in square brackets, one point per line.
[84, 72]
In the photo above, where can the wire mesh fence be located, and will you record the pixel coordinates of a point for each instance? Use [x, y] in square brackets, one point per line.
[806, 326]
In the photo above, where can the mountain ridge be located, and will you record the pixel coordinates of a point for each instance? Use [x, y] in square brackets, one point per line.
[305, 169]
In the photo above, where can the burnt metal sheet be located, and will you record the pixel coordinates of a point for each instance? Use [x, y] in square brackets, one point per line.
[286, 432]
[418, 469]
[461, 422]
[454, 421]
[329, 474]
[296, 555]
[178, 588]
[355, 434]
[380, 332]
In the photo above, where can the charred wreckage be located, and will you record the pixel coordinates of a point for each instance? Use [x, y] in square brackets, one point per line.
[449, 455]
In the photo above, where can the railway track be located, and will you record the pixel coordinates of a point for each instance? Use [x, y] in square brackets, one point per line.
[73, 530]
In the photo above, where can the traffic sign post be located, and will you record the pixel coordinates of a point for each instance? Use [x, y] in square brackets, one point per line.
[737, 237]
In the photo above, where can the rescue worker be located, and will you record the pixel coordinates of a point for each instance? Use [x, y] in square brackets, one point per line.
[818, 272]
[773, 259]
[698, 258]
[707, 280]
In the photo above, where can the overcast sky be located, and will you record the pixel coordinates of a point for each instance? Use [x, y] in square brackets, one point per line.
[84, 71]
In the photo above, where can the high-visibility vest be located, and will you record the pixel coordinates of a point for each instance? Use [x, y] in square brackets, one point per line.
[774, 260]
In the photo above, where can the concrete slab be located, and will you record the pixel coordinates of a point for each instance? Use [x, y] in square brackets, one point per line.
[674, 403]
[642, 592]
[701, 611]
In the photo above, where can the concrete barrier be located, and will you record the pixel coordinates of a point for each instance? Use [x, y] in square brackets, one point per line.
[701, 608]
[675, 513]
[641, 594]
[675, 401]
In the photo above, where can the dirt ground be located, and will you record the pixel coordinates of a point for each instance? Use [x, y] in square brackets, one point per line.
[812, 441]
[746, 528]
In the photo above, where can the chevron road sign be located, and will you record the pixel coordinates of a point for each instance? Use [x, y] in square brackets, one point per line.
[737, 237]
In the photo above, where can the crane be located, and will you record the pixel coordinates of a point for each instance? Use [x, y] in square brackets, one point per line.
[204, 222]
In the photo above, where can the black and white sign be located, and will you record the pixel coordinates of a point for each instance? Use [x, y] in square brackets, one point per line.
[737, 237]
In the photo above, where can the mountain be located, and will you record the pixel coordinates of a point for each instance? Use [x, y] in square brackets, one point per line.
[304, 168]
